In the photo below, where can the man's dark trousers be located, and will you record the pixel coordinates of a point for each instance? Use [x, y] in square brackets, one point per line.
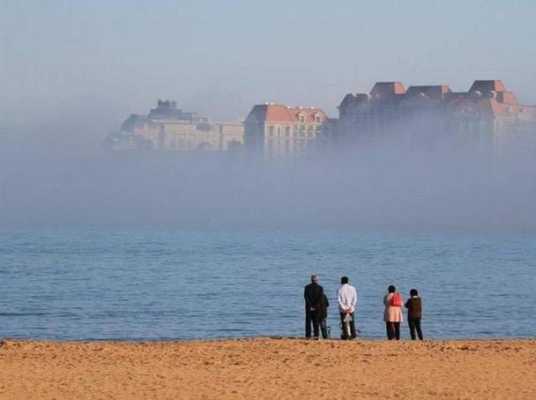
[313, 297]
[324, 328]
[344, 335]
[415, 325]
[311, 317]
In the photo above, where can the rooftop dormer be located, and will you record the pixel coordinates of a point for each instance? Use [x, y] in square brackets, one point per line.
[382, 90]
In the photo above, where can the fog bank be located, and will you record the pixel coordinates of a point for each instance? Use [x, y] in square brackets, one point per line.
[386, 185]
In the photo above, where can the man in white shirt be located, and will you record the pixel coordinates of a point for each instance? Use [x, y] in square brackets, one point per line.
[347, 299]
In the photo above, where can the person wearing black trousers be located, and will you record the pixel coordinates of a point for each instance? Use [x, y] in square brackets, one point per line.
[393, 313]
[414, 306]
[314, 296]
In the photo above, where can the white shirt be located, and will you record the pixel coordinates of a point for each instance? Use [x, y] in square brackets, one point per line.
[347, 297]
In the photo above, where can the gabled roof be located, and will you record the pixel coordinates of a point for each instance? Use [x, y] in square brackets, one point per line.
[387, 89]
[281, 113]
[485, 98]
[487, 86]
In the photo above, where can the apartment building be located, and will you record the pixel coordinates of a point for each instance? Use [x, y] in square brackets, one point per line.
[277, 130]
[168, 128]
[487, 113]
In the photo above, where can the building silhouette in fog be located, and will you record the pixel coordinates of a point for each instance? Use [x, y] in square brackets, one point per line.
[169, 128]
[486, 114]
[277, 130]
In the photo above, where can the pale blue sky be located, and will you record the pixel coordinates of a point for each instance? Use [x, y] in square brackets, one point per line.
[111, 58]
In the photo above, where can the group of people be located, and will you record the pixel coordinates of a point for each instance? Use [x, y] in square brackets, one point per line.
[317, 303]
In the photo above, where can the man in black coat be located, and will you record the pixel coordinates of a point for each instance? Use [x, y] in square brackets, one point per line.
[313, 295]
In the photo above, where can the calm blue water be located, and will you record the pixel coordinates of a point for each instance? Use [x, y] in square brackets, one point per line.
[152, 284]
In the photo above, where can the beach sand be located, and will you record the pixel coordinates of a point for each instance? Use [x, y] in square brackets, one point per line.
[268, 369]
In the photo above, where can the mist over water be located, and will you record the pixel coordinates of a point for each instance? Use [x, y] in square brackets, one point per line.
[391, 183]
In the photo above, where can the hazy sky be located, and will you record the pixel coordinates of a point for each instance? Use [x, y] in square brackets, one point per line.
[101, 60]
[71, 71]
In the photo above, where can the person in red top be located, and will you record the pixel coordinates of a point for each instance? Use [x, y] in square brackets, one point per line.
[393, 313]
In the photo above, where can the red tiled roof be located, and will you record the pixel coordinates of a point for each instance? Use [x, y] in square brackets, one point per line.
[283, 113]
[386, 89]
[486, 98]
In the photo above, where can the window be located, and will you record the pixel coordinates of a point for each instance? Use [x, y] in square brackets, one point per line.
[270, 131]
[287, 131]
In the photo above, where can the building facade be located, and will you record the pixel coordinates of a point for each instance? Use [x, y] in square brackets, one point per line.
[276, 130]
[488, 114]
[168, 128]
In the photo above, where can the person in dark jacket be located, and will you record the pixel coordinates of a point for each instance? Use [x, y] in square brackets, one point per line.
[414, 306]
[313, 295]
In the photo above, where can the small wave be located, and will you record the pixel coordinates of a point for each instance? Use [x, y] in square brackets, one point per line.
[23, 314]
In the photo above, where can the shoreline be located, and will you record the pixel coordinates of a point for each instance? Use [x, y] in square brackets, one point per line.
[269, 368]
[257, 338]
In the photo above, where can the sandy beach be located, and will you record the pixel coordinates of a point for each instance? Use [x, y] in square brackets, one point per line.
[268, 369]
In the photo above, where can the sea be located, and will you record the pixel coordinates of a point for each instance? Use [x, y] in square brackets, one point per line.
[160, 283]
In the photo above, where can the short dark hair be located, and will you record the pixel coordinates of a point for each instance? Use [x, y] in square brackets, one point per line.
[391, 289]
[344, 280]
[413, 292]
